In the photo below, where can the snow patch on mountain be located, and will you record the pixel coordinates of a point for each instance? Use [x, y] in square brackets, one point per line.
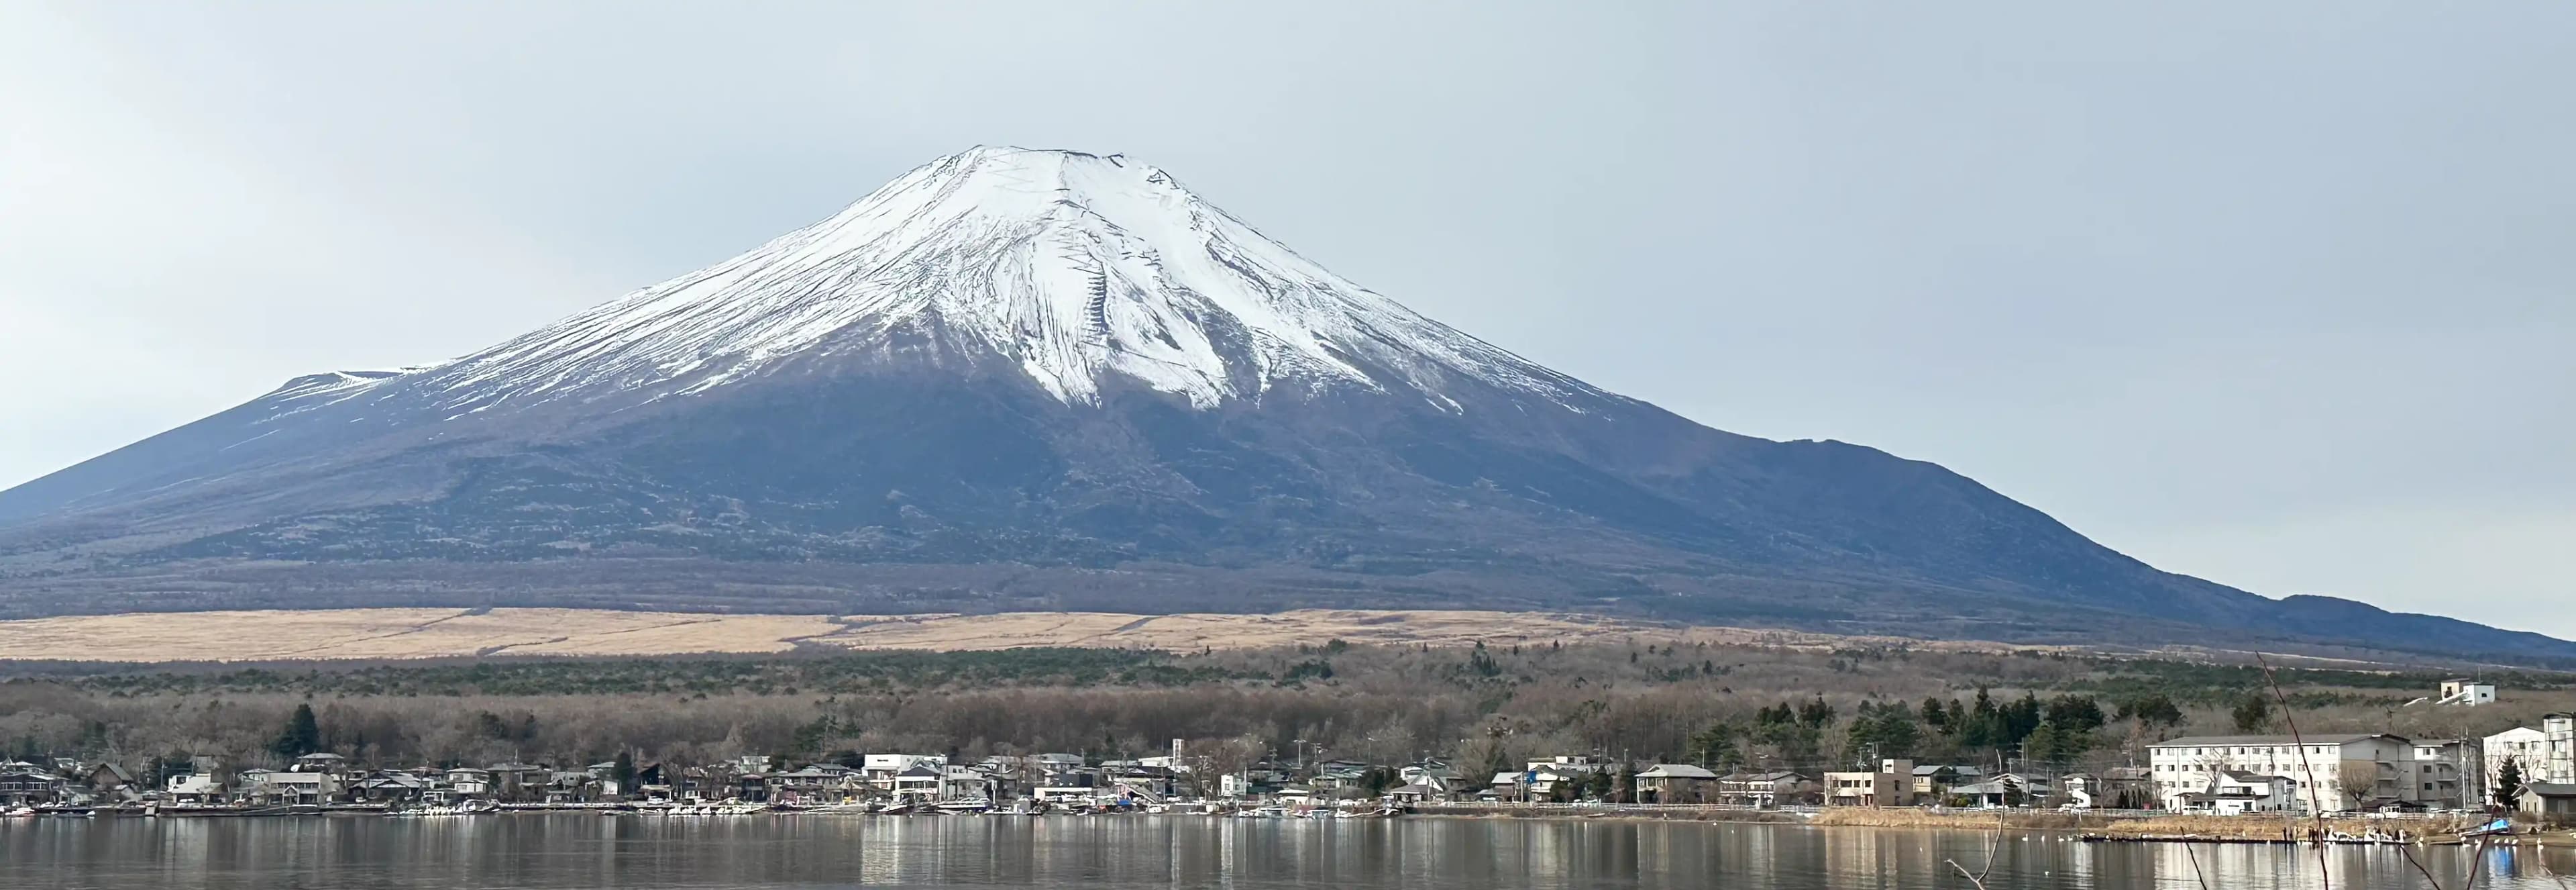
[1078, 268]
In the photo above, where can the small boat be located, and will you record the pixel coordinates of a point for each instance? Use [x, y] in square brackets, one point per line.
[2499, 826]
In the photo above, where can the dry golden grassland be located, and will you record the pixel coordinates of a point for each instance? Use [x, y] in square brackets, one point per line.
[2233, 828]
[434, 633]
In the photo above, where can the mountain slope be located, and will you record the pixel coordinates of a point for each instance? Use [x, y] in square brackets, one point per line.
[1020, 378]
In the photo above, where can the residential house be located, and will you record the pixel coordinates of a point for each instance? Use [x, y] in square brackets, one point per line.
[1675, 783]
[109, 781]
[23, 785]
[1414, 794]
[1891, 785]
[2237, 792]
[520, 781]
[469, 783]
[251, 785]
[1765, 790]
[1341, 765]
[393, 787]
[882, 769]
[652, 782]
[2004, 790]
[1250, 783]
[965, 783]
[2328, 765]
[193, 788]
[920, 781]
[885, 767]
[1007, 781]
[604, 784]
[1538, 783]
[2117, 788]
[1081, 785]
[1153, 783]
[1572, 765]
[1433, 774]
[567, 786]
[1342, 780]
[814, 784]
[705, 784]
[1933, 781]
[323, 762]
[2550, 800]
[1009, 767]
[750, 787]
[292, 788]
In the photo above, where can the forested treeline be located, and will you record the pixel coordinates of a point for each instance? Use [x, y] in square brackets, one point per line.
[1482, 707]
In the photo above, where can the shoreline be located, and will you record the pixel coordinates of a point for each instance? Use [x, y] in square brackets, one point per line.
[2132, 828]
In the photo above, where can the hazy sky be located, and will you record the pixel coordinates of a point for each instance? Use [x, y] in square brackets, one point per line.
[2280, 295]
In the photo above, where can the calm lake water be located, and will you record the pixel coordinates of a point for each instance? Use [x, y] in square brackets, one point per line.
[564, 851]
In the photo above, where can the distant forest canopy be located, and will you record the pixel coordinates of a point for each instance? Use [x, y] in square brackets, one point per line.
[1479, 708]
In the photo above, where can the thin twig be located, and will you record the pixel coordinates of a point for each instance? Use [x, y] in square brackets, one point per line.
[2419, 867]
[2325, 878]
[2540, 856]
[2195, 867]
[2479, 862]
[1994, 844]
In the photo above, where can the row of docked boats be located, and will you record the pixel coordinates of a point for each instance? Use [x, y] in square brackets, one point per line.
[468, 808]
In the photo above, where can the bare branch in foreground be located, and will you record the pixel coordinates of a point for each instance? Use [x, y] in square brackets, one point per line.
[2316, 807]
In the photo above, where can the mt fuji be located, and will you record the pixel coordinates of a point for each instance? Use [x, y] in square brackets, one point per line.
[1020, 379]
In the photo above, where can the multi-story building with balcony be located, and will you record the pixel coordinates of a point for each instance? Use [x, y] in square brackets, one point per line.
[2330, 772]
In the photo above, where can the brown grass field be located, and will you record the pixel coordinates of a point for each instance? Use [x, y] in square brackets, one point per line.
[2273, 827]
[437, 633]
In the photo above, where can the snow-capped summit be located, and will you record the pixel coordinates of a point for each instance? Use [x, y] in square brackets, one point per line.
[1080, 269]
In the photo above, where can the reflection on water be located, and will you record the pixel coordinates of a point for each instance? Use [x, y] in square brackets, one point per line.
[566, 851]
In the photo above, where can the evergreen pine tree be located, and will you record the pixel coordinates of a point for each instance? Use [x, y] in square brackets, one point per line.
[2508, 787]
[624, 772]
[302, 735]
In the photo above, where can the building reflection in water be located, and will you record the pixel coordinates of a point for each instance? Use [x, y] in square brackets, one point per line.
[1127, 852]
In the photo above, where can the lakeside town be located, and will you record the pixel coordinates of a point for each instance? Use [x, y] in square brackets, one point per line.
[2526, 773]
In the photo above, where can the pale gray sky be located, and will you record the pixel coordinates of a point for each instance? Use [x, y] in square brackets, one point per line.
[2280, 294]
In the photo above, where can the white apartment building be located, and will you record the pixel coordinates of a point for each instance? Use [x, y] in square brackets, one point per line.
[2320, 770]
[2528, 748]
[2558, 756]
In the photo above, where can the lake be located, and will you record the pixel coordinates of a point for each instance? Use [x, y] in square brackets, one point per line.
[1116, 852]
